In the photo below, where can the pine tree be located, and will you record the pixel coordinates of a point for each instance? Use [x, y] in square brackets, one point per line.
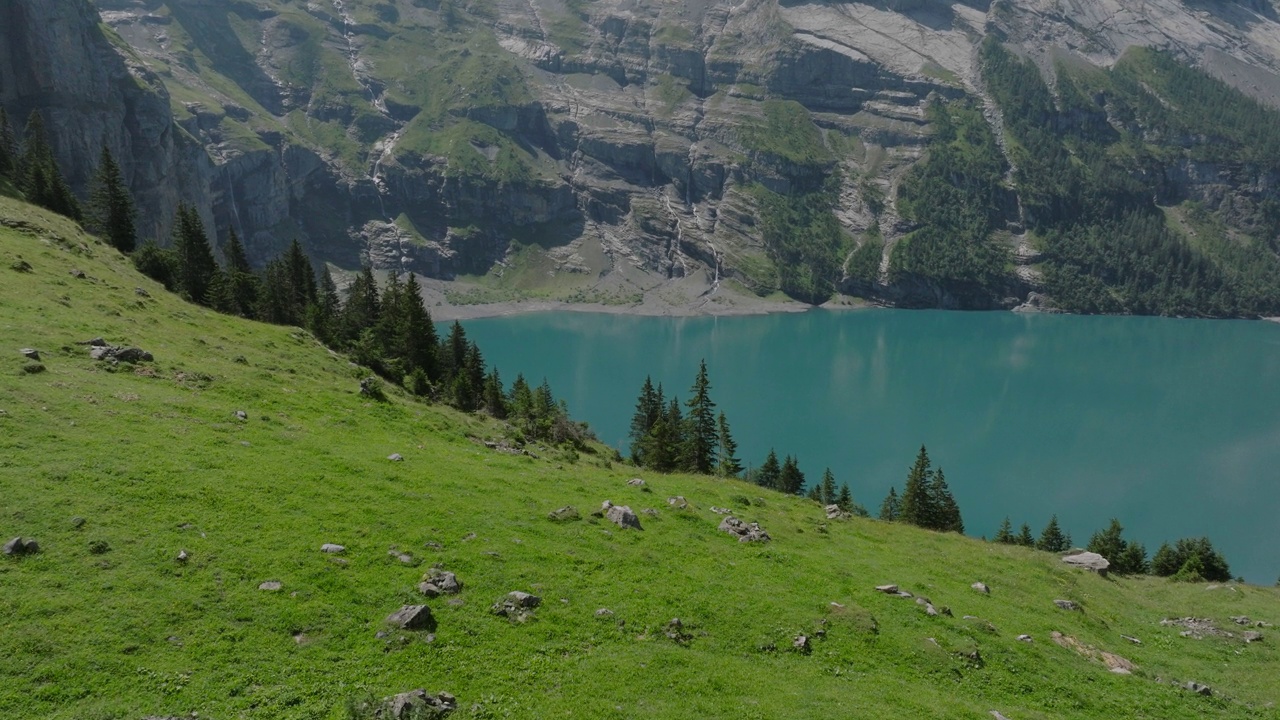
[474, 367]
[275, 301]
[8, 147]
[302, 278]
[157, 263]
[947, 512]
[891, 508]
[40, 177]
[494, 400]
[520, 404]
[419, 333]
[770, 473]
[702, 439]
[844, 501]
[815, 494]
[454, 350]
[196, 266]
[1110, 544]
[648, 411]
[1024, 536]
[727, 464]
[220, 295]
[917, 496]
[360, 311]
[1052, 539]
[1005, 533]
[389, 330]
[666, 440]
[111, 206]
[790, 479]
[827, 490]
[1165, 562]
[244, 284]
[1133, 561]
[322, 318]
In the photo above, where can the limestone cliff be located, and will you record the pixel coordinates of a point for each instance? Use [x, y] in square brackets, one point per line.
[583, 149]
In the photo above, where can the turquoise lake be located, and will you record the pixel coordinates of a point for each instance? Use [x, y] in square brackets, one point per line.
[1170, 425]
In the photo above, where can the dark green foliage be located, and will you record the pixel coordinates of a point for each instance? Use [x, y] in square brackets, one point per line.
[727, 463]
[159, 264]
[648, 410]
[220, 295]
[245, 285]
[39, 176]
[769, 474]
[8, 147]
[361, 308]
[958, 200]
[1005, 533]
[701, 436]
[944, 505]
[844, 501]
[195, 264]
[1090, 190]
[1052, 539]
[891, 508]
[790, 479]
[323, 315]
[917, 500]
[111, 210]
[1024, 537]
[1126, 558]
[1192, 560]
[804, 240]
[827, 488]
[864, 263]
[493, 399]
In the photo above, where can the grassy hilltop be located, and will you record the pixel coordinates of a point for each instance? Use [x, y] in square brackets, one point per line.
[104, 622]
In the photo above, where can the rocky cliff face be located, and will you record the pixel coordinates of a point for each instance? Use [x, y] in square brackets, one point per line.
[623, 143]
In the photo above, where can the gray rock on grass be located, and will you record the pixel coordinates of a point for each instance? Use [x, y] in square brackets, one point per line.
[418, 705]
[678, 502]
[439, 582]
[981, 587]
[1088, 561]
[19, 546]
[620, 515]
[271, 586]
[332, 548]
[564, 514]
[30, 354]
[745, 532]
[1066, 605]
[412, 617]
[516, 605]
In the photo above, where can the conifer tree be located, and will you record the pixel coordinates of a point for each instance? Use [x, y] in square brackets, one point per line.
[390, 327]
[220, 295]
[701, 436]
[844, 501]
[666, 439]
[474, 368]
[827, 490]
[891, 508]
[157, 263]
[41, 178]
[917, 496]
[455, 349]
[494, 401]
[420, 343]
[1110, 544]
[1052, 539]
[275, 301]
[322, 318]
[770, 473]
[360, 311]
[111, 206]
[302, 277]
[648, 411]
[520, 404]
[8, 147]
[244, 284]
[790, 479]
[946, 510]
[196, 266]
[1165, 562]
[1005, 533]
[1133, 561]
[815, 494]
[1024, 536]
[727, 464]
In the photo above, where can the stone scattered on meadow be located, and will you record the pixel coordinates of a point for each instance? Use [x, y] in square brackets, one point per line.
[621, 515]
[412, 617]
[77, 522]
[242, 415]
[516, 605]
[1066, 605]
[19, 546]
[745, 532]
[30, 354]
[564, 514]
[271, 586]
[801, 644]
[1198, 688]
[332, 548]
[1251, 636]
[888, 589]
[403, 557]
[439, 582]
[635, 482]
[114, 353]
[395, 457]
[604, 613]
[678, 502]
[650, 512]
[835, 513]
[419, 705]
[1088, 561]
[183, 556]
[981, 587]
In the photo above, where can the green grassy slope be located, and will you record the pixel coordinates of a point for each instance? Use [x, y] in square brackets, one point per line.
[155, 461]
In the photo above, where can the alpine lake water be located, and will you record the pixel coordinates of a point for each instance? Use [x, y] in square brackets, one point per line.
[1170, 425]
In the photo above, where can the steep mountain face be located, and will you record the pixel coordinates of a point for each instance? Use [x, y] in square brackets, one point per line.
[601, 150]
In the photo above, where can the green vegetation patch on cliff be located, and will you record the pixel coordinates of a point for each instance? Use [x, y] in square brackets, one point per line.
[803, 239]
[787, 133]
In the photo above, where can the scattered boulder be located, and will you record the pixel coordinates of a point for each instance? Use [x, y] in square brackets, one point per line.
[403, 557]
[141, 292]
[996, 713]
[114, 353]
[981, 587]
[99, 547]
[29, 354]
[439, 582]
[888, 589]
[720, 510]
[674, 630]
[183, 556]
[242, 415]
[93, 342]
[412, 617]
[566, 513]
[746, 532]
[604, 613]
[395, 457]
[801, 644]
[635, 482]
[678, 502]
[417, 705]
[1132, 639]
[1088, 561]
[930, 610]
[1025, 638]
[331, 548]
[19, 546]
[650, 512]
[1198, 688]
[516, 605]
[271, 586]
[835, 513]
[1240, 619]
[1196, 628]
[77, 522]
[371, 387]
[621, 515]
[21, 266]
[77, 274]
[1066, 605]
[1251, 636]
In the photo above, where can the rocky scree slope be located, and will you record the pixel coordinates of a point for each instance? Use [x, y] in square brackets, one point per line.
[578, 149]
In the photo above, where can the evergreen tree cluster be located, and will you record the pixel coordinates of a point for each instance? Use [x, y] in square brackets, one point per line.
[1192, 560]
[1126, 557]
[1052, 537]
[695, 440]
[30, 168]
[926, 499]
[825, 494]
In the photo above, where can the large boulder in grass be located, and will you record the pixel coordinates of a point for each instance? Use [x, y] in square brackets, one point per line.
[745, 532]
[1088, 561]
[413, 617]
[417, 705]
